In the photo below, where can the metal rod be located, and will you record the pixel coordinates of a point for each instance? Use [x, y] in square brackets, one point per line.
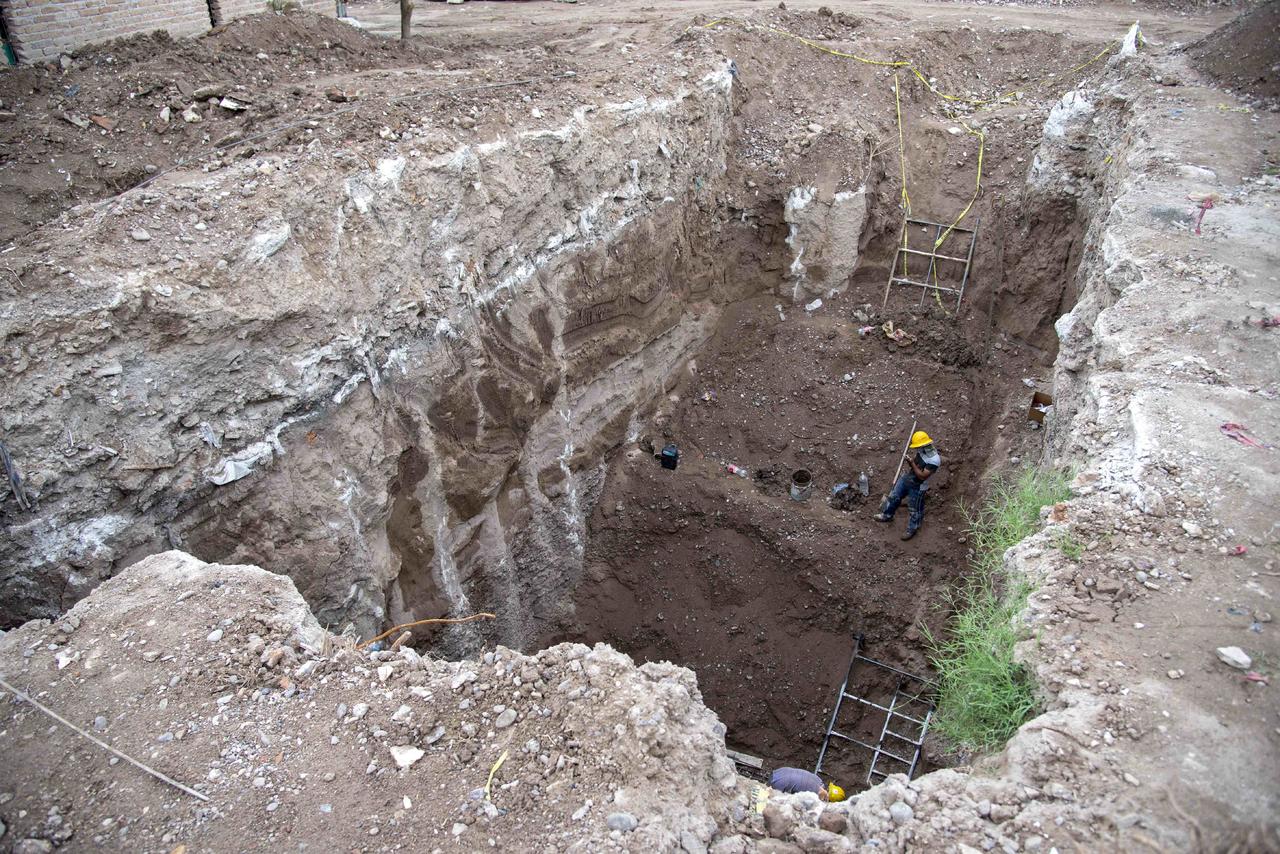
[930, 222]
[875, 758]
[900, 281]
[932, 272]
[896, 670]
[882, 708]
[905, 448]
[956, 258]
[835, 713]
[968, 264]
[889, 284]
[872, 748]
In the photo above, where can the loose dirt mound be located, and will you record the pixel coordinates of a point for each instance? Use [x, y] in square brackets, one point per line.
[1245, 54]
[219, 677]
[121, 112]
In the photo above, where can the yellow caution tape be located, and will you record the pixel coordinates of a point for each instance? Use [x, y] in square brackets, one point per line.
[1012, 94]
[488, 786]
[902, 164]
[911, 66]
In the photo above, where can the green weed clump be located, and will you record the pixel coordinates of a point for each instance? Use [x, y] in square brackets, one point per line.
[983, 694]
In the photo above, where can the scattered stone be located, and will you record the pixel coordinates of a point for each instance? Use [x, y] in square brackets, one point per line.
[623, 821]
[266, 243]
[215, 90]
[33, 846]
[1234, 656]
[191, 115]
[78, 121]
[901, 813]
[359, 710]
[405, 755]
[1131, 780]
[833, 821]
[1175, 674]
[214, 636]
[140, 234]
[506, 719]
[778, 821]
[100, 723]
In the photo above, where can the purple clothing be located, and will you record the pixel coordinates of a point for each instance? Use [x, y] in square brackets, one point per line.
[791, 780]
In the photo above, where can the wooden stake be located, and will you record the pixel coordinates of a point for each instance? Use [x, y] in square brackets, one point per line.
[406, 14]
[905, 448]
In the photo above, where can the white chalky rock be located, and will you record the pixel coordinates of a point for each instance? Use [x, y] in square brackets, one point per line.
[405, 755]
[1234, 656]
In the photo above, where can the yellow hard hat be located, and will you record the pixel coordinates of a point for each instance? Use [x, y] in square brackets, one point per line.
[834, 793]
[920, 438]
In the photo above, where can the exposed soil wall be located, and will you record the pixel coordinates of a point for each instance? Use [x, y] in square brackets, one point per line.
[459, 302]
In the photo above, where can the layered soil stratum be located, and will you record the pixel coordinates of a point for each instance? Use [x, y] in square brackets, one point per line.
[398, 338]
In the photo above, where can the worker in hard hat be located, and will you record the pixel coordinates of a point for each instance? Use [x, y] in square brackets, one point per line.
[922, 461]
[790, 780]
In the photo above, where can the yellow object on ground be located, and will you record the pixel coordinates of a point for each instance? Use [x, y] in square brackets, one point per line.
[919, 439]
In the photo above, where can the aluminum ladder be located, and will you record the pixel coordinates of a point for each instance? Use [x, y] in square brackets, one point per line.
[903, 730]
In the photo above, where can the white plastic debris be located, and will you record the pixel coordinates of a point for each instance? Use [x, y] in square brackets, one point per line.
[1234, 656]
[240, 465]
[1131, 41]
[814, 306]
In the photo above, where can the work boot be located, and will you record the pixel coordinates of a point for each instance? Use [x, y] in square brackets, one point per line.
[880, 517]
[908, 534]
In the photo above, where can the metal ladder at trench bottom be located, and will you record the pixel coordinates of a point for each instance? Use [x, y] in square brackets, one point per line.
[900, 715]
[930, 282]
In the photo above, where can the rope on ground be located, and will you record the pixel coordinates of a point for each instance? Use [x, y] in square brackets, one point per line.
[484, 615]
[915, 69]
[21, 695]
[488, 786]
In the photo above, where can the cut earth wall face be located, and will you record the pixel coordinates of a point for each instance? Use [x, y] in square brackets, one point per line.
[41, 30]
[392, 379]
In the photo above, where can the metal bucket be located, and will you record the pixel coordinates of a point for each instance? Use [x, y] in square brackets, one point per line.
[801, 485]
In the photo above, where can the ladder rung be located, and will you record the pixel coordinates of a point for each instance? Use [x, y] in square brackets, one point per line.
[904, 738]
[900, 281]
[933, 255]
[883, 709]
[939, 225]
[880, 751]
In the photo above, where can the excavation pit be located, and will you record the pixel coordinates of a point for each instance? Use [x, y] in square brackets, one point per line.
[451, 398]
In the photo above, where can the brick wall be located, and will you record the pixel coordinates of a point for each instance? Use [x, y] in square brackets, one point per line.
[225, 10]
[41, 29]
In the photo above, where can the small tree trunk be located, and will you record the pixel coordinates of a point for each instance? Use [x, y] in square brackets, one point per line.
[406, 14]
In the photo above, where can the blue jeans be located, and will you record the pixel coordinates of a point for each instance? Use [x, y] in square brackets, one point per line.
[913, 490]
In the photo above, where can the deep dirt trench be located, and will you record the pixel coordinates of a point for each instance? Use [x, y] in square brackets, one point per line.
[460, 430]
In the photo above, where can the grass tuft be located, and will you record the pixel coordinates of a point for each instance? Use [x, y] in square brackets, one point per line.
[984, 695]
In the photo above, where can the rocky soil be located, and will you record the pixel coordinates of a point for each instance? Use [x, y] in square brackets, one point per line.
[392, 364]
